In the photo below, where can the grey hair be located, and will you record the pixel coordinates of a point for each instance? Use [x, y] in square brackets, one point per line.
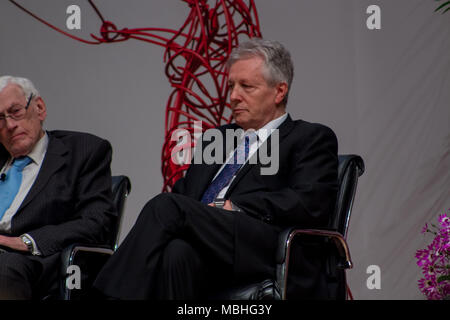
[25, 84]
[278, 62]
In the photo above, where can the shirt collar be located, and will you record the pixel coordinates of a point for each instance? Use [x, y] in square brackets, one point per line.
[265, 131]
[39, 150]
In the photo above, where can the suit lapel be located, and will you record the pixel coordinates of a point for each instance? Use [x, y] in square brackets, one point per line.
[284, 128]
[208, 171]
[204, 178]
[4, 155]
[54, 159]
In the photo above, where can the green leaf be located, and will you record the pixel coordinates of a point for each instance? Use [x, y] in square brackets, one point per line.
[442, 5]
[443, 278]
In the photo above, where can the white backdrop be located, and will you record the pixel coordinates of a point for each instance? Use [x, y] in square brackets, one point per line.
[384, 92]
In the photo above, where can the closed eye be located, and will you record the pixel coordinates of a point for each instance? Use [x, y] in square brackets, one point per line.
[247, 87]
[15, 110]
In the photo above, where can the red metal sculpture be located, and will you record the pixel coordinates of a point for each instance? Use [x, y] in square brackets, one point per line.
[195, 57]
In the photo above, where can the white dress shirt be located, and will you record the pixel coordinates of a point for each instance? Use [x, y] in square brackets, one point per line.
[262, 133]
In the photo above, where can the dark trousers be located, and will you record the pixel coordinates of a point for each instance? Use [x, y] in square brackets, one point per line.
[24, 277]
[177, 249]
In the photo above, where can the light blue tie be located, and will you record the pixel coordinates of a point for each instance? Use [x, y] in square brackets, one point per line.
[11, 185]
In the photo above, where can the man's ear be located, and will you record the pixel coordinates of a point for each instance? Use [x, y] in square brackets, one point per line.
[41, 108]
[282, 89]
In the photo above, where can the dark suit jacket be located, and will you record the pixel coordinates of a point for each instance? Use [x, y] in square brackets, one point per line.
[302, 193]
[70, 200]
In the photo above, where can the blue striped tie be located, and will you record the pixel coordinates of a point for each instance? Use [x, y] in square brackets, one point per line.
[10, 187]
[228, 171]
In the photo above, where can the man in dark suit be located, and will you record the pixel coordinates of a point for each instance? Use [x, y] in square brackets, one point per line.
[220, 224]
[63, 195]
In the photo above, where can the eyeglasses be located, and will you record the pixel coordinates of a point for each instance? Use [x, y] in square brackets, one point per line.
[16, 112]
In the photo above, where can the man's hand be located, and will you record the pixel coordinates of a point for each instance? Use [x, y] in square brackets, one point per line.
[14, 243]
[226, 206]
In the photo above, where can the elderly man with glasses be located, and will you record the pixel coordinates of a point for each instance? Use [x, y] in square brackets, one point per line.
[55, 189]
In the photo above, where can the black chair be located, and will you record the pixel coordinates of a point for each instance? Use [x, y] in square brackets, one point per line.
[328, 247]
[91, 257]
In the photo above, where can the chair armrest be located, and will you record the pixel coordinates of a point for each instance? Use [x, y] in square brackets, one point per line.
[286, 238]
[90, 258]
[69, 253]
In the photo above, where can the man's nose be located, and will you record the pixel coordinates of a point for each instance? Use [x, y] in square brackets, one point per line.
[10, 123]
[234, 94]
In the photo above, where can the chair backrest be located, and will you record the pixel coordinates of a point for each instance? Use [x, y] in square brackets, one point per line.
[349, 170]
[121, 187]
[351, 167]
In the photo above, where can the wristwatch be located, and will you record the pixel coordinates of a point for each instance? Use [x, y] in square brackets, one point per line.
[28, 243]
[219, 202]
